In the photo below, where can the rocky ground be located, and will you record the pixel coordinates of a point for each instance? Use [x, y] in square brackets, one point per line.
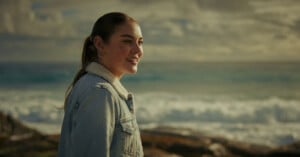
[17, 140]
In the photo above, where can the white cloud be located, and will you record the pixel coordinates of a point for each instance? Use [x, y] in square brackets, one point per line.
[181, 30]
[19, 18]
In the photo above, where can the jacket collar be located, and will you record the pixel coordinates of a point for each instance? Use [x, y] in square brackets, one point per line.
[101, 71]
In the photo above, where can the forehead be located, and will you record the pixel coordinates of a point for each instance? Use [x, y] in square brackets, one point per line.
[130, 28]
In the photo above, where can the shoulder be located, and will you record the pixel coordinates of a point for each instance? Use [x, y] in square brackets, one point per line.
[90, 83]
[91, 90]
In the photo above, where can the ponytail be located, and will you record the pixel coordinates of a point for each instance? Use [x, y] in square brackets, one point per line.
[89, 54]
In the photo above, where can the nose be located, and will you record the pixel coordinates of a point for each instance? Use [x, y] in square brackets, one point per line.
[138, 49]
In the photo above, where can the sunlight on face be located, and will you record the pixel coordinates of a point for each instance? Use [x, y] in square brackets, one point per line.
[122, 53]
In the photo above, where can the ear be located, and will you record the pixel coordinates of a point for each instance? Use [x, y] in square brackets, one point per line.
[98, 43]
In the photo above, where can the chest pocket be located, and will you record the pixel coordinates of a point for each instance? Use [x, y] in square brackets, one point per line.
[130, 136]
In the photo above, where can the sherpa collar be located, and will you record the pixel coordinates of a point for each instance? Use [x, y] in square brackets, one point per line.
[101, 71]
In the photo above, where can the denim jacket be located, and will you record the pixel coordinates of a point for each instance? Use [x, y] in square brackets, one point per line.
[99, 118]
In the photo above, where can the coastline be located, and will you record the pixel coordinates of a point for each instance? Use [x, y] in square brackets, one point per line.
[257, 103]
[17, 139]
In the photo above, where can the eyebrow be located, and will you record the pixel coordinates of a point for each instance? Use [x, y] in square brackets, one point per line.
[129, 36]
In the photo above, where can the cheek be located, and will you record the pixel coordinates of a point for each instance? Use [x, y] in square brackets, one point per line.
[124, 51]
[119, 54]
[124, 48]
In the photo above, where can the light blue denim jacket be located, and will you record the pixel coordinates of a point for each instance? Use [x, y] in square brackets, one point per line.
[99, 118]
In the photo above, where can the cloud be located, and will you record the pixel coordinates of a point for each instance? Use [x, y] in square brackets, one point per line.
[18, 17]
[181, 30]
[296, 26]
[29, 48]
[236, 6]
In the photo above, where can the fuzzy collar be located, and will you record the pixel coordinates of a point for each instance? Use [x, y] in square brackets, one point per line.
[101, 71]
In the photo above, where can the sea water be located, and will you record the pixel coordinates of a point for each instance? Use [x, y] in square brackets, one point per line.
[251, 102]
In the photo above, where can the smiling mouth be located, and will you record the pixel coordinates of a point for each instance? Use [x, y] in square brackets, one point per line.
[133, 61]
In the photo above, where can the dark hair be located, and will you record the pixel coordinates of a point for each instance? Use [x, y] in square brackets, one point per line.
[104, 27]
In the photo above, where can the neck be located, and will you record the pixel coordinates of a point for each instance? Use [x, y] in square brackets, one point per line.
[117, 74]
[102, 71]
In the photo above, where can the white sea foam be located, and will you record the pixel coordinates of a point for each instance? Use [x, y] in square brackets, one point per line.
[32, 106]
[165, 107]
[269, 121]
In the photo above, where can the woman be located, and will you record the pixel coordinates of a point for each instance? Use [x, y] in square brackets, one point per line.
[99, 116]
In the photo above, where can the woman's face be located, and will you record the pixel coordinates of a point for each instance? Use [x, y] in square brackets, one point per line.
[122, 53]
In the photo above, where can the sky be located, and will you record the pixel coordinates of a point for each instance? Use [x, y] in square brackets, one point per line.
[173, 30]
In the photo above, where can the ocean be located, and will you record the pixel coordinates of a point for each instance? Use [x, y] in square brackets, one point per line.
[251, 102]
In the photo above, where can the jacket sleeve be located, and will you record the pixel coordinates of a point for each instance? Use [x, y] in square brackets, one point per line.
[94, 124]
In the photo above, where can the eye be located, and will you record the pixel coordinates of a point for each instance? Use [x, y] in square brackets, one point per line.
[127, 41]
[141, 42]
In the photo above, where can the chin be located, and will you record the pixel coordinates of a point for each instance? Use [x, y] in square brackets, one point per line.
[132, 70]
